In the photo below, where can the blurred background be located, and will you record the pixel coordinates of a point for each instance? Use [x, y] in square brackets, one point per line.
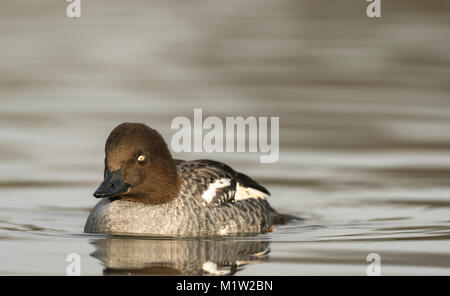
[363, 103]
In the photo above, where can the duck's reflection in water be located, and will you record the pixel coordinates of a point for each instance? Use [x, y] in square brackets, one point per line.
[135, 256]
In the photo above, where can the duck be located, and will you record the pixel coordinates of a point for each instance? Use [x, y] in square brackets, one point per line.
[147, 192]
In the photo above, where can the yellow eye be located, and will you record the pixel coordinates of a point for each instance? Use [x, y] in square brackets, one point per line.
[141, 158]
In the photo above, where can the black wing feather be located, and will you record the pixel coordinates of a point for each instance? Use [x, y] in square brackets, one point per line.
[249, 182]
[199, 174]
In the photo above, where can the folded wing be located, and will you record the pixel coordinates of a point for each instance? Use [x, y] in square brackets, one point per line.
[215, 183]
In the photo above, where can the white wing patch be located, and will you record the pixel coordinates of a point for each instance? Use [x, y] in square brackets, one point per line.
[243, 192]
[209, 194]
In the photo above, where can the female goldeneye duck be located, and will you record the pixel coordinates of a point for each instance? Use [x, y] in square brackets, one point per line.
[145, 191]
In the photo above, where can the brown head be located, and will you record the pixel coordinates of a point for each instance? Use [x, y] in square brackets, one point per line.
[138, 166]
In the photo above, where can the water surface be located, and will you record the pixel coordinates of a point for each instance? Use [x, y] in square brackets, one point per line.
[364, 129]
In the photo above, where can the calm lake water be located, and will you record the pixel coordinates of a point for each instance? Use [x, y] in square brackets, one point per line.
[364, 112]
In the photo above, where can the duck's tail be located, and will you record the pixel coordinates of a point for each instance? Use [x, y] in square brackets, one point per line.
[281, 219]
